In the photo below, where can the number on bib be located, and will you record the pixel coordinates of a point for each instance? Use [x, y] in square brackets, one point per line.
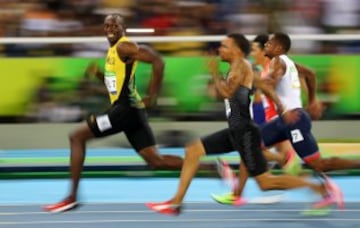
[296, 136]
[110, 82]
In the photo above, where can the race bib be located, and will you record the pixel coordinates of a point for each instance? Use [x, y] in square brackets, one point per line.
[227, 107]
[110, 82]
[296, 136]
[103, 123]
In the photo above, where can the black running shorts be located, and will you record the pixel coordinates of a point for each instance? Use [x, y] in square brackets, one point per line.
[246, 141]
[132, 121]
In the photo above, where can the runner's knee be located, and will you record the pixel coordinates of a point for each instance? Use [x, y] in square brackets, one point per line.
[152, 158]
[82, 134]
[194, 150]
[76, 137]
[155, 164]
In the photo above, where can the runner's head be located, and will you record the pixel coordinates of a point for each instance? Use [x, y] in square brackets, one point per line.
[235, 45]
[278, 44]
[257, 48]
[114, 28]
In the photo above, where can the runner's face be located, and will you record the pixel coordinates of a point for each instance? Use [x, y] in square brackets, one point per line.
[226, 49]
[270, 47]
[113, 29]
[257, 53]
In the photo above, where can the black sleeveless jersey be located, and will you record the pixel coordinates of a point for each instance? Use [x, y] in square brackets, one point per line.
[238, 108]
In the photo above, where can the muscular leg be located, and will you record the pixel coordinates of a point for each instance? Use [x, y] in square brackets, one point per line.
[308, 150]
[276, 157]
[193, 153]
[284, 148]
[78, 140]
[158, 161]
[249, 147]
[333, 163]
[266, 181]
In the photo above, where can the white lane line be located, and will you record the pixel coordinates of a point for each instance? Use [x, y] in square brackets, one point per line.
[179, 220]
[13, 213]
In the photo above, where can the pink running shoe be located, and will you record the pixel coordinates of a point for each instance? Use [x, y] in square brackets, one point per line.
[335, 195]
[335, 191]
[325, 202]
[226, 173]
[166, 208]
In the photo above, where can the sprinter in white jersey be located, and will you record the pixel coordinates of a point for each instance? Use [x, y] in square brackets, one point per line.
[283, 77]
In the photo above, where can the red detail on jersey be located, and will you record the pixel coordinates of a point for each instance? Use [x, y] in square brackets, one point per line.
[269, 105]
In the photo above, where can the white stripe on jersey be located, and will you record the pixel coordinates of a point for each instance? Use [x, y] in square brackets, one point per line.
[289, 88]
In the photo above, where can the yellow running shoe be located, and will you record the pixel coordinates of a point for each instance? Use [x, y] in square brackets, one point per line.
[293, 164]
[229, 199]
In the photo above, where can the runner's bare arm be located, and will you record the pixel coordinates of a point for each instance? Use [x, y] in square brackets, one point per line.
[94, 70]
[226, 88]
[268, 89]
[149, 55]
[130, 52]
[310, 80]
[314, 108]
[276, 70]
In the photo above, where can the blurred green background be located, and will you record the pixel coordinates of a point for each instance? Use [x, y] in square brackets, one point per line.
[27, 83]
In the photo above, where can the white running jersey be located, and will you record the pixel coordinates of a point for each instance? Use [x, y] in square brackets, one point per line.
[289, 88]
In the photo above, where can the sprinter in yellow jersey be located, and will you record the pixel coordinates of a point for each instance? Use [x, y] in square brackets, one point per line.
[127, 111]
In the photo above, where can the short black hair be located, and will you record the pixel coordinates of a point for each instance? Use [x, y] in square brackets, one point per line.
[241, 42]
[117, 17]
[284, 40]
[261, 40]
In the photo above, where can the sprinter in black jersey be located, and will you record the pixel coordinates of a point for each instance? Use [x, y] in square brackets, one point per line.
[241, 134]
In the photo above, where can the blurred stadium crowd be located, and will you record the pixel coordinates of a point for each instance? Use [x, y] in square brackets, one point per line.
[73, 18]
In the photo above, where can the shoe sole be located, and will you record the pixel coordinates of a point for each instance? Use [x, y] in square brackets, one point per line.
[152, 206]
[220, 199]
[67, 207]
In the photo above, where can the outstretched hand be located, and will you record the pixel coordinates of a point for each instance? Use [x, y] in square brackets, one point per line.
[213, 65]
[291, 116]
[149, 101]
[92, 69]
[315, 110]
